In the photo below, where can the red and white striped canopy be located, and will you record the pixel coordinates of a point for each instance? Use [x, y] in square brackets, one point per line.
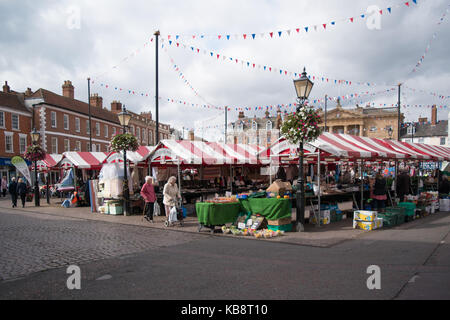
[50, 161]
[407, 148]
[83, 160]
[138, 156]
[208, 153]
[283, 149]
[437, 152]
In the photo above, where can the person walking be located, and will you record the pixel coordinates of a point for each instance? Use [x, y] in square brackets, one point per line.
[4, 186]
[171, 195]
[403, 184]
[12, 188]
[148, 193]
[22, 191]
[379, 192]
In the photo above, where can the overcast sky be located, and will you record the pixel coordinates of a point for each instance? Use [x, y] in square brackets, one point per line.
[43, 43]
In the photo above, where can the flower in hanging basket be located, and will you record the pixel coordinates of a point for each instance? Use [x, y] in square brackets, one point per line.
[124, 141]
[34, 153]
[302, 125]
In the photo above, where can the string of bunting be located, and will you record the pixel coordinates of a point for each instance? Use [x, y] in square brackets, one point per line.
[440, 96]
[422, 58]
[266, 68]
[290, 32]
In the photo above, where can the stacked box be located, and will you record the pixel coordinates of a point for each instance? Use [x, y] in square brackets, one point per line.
[325, 217]
[367, 220]
[365, 215]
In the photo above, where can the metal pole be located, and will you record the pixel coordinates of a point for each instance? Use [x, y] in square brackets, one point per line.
[300, 212]
[398, 116]
[226, 112]
[48, 186]
[36, 186]
[89, 103]
[318, 184]
[362, 184]
[325, 127]
[126, 192]
[157, 33]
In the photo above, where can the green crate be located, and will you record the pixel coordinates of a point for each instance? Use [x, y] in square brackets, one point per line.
[284, 227]
[395, 210]
[409, 208]
[388, 220]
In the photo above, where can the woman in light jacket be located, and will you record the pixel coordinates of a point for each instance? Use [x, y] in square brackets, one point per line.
[171, 195]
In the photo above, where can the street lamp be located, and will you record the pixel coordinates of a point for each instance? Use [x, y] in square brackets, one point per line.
[390, 132]
[124, 119]
[303, 87]
[35, 135]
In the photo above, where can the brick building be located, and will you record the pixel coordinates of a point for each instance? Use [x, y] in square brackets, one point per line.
[15, 128]
[63, 121]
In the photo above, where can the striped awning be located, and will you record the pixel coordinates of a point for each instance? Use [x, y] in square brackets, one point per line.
[50, 161]
[83, 160]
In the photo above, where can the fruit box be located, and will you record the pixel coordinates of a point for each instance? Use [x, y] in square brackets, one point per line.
[368, 225]
[279, 222]
[363, 215]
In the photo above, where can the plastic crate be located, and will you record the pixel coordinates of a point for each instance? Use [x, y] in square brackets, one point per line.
[284, 227]
[389, 221]
[409, 208]
[400, 210]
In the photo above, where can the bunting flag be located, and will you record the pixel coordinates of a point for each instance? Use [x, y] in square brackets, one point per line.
[266, 68]
[284, 33]
[437, 95]
[422, 58]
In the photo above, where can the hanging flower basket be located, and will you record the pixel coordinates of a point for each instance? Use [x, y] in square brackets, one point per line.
[124, 141]
[34, 153]
[302, 125]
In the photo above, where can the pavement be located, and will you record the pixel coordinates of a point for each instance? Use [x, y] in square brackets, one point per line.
[127, 258]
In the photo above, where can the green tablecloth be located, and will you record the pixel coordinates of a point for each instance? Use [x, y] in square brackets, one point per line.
[214, 214]
[270, 208]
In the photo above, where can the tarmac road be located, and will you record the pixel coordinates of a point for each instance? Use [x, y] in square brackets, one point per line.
[131, 262]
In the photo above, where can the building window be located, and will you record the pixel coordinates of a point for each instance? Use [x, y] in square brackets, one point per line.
[150, 137]
[9, 142]
[97, 129]
[78, 146]
[2, 119]
[54, 145]
[254, 125]
[66, 145]
[138, 133]
[22, 143]
[411, 130]
[106, 131]
[88, 145]
[53, 119]
[88, 127]
[373, 129]
[241, 126]
[421, 140]
[269, 125]
[132, 130]
[15, 121]
[114, 131]
[443, 141]
[66, 122]
[144, 135]
[77, 124]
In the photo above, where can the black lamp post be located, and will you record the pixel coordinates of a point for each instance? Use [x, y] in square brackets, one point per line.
[124, 119]
[303, 87]
[35, 139]
[390, 132]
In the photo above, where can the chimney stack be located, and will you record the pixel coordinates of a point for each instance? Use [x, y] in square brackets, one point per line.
[6, 88]
[28, 93]
[191, 135]
[116, 106]
[96, 101]
[423, 120]
[433, 115]
[147, 115]
[68, 89]
[241, 114]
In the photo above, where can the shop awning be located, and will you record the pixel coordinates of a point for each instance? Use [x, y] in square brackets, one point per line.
[137, 157]
[437, 152]
[83, 160]
[408, 148]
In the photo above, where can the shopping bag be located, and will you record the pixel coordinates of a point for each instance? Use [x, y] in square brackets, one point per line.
[173, 214]
[156, 209]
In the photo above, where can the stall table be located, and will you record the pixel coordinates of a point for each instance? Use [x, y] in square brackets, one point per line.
[211, 215]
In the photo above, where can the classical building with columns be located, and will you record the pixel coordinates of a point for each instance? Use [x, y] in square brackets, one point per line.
[362, 121]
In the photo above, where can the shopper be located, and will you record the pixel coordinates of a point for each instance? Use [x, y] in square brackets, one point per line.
[444, 187]
[346, 178]
[22, 191]
[4, 186]
[379, 192]
[403, 184]
[148, 193]
[13, 191]
[171, 195]
[281, 174]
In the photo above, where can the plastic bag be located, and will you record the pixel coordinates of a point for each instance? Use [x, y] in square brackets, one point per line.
[156, 209]
[173, 214]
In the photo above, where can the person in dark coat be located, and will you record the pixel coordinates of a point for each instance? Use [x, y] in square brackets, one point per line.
[22, 191]
[379, 192]
[403, 184]
[444, 187]
[12, 188]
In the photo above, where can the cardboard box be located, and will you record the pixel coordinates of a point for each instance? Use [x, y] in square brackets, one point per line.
[363, 215]
[343, 206]
[368, 225]
[280, 222]
[279, 187]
